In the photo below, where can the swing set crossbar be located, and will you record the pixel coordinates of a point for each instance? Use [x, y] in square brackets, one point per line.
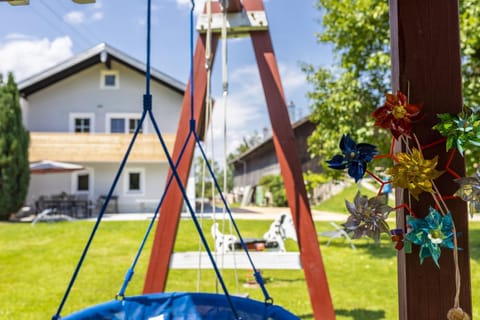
[237, 260]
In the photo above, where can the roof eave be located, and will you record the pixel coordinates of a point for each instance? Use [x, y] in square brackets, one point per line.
[85, 60]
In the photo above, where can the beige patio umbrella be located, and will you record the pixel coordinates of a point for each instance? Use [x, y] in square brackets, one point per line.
[49, 166]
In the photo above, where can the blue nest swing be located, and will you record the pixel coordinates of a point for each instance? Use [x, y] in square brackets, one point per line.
[177, 305]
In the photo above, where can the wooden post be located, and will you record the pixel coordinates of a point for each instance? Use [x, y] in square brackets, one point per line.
[287, 154]
[426, 63]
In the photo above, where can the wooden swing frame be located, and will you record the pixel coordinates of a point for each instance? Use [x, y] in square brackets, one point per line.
[283, 138]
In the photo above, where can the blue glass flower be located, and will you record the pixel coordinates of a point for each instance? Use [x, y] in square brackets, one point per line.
[354, 157]
[431, 233]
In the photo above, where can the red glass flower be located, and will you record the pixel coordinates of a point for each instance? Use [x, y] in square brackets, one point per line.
[397, 114]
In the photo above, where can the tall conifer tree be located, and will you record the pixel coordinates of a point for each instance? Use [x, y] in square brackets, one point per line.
[14, 140]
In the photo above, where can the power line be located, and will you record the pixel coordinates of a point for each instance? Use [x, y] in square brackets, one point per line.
[81, 36]
[84, 27]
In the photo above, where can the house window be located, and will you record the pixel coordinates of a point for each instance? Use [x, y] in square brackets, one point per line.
[83, 182]
[82, 125]
[117, 125]
[109, 79]
[81, 122]
[132, 125]
[123, 122]
[134, 181]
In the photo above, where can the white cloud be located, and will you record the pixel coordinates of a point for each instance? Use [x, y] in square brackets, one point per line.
[74, 17]
[17, 36]
[187, 4]
[97, 5]
[97, 16]
[246, 111]
[183, 2]
[27, 57]
[246, 106]
[142, 21]
[293, 79]
[78, 17]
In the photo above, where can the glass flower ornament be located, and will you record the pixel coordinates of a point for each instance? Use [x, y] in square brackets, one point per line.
[461, 130]
[469, 190]
[397, 114]
[368, 217]
[414, 173]
[354, 157]
[431, 233]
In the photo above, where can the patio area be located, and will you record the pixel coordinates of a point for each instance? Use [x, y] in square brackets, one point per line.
[75, 206]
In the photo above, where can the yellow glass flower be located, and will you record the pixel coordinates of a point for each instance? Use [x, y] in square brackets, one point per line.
[414, 173]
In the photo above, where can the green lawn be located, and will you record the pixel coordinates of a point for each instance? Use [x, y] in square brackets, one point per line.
[37, 263]
[337, 202]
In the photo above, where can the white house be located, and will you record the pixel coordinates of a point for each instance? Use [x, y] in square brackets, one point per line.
[84, 111]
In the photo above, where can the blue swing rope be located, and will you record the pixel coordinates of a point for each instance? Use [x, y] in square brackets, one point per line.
[147, 109]
[130, 272]
[99, 218]
[147, 105]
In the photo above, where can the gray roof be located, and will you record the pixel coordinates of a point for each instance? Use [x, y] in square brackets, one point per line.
[88, 58]
[268, 141]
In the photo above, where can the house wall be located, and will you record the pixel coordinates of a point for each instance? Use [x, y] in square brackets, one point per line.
[262, 160]
[48, 110]
[256, 168]
[154, 174]
[302, 133]
[103, 175]
[47, 184]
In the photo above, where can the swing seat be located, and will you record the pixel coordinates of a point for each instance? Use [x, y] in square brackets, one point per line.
[179, 306]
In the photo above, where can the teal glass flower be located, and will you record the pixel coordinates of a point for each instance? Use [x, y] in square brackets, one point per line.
[431, 233]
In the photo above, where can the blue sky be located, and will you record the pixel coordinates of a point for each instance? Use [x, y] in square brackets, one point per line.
[37, 36]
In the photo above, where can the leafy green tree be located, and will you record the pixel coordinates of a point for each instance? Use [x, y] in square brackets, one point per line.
[274, 184]
[229, 172]
[204, 181]
[470, 47]
[344, 96]
[14, 140]
[248, 143]
[312, 181]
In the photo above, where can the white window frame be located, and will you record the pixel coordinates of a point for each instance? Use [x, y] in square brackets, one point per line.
[81, 115]
[126, 182]
[91, 184]
[104, 73]
[126, 116]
